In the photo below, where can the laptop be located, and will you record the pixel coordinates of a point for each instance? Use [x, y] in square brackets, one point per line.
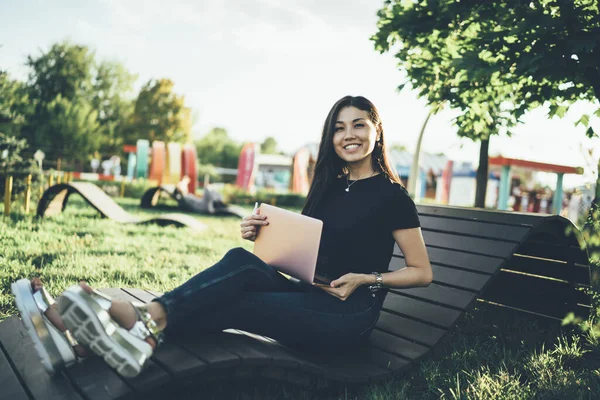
[290, 243]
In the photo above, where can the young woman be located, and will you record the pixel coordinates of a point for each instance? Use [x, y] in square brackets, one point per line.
[364, 209]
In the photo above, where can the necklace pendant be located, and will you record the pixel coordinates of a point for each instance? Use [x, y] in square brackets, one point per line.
[347, 189]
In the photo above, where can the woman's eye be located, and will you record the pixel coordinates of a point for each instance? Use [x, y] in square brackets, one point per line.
[338, 128]
[359, 125]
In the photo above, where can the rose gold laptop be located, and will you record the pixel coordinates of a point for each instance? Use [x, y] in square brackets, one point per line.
[290, 243]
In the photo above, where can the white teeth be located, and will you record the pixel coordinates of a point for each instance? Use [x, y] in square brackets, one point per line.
[351, 146]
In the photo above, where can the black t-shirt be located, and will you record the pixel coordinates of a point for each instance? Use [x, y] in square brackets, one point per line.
[358, 225]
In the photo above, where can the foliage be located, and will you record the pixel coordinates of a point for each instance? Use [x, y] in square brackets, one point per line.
[13, 103]
[65, 70]
[160, 114]
[218, 149]
[12, 163]
[111, 98]
[496, 60]
[71, 127]
[74, 102]
[269, 146]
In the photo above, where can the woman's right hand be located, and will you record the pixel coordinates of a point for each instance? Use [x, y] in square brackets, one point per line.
[251, 224]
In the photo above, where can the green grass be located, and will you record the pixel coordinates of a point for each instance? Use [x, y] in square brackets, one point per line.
[492, 353]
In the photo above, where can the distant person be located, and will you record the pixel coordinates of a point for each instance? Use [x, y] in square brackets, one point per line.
[365, 212]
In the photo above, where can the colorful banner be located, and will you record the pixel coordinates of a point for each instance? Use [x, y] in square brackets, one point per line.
[188, 166]
[158, 161]
[142, 151]
[172, 172]
[246, 167]
[300, 181]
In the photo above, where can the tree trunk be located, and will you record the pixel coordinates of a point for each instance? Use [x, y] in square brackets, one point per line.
[414, 169]
[482, 174]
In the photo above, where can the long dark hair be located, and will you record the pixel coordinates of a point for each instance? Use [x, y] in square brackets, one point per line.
[329, 166]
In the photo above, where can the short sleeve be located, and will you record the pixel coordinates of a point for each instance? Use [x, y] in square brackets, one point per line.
[402, 212]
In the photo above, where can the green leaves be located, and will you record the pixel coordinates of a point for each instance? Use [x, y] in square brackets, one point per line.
[557, 110]
[584, 120]
[160, 114]
[482, 56]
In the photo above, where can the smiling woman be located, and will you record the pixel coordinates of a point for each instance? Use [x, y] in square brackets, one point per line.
[362, 221]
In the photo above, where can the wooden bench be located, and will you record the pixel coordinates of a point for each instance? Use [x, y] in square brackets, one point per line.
[55, 198]
[521, 261]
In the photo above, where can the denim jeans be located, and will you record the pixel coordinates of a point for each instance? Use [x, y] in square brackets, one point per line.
[242, 292]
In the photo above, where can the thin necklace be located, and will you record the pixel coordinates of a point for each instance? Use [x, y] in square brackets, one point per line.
[348, 184]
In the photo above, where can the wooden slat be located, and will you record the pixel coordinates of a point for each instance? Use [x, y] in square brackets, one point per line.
[453, 258]
[248, 354]
[474, 228]
[96, 380]
[10, 386]
[542, 296]
[397, 345]
[178, 361]
[441, 294]
[554, 252]
[427, 312]
[474, 245]
[152, 377]
[19, 348]
[451, 276]
[140, 294]
[502, 217]
[277, 353]
[209, 351]
[559, 270]
[409, 328]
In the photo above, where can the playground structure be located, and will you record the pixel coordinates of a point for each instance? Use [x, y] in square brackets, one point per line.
[163, 163]
[55, 198]
[508, 164]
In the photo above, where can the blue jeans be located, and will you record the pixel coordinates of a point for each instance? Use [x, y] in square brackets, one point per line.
[242, 292]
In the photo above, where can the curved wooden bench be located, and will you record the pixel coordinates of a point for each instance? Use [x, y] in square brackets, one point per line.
[55, 198]
[151, 197]
[521, 261]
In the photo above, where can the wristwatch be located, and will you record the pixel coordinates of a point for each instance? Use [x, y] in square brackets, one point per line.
[378, 285]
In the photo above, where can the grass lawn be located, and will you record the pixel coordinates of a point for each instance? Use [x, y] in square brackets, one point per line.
[492, 354]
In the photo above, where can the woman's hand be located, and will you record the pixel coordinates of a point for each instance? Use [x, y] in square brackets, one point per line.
[251, 224]
[344, 286]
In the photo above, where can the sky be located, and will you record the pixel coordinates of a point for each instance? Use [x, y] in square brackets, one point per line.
[264, 68]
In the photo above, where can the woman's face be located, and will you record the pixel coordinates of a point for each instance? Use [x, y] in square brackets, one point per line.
[354, 135]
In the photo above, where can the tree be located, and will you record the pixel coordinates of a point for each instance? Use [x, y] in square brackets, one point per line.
[112, 87]
[72, 128]
[160, 114]
[13, 105]
[428, 56]
[66, 70]
[269, 146]
[218, 149]
[60, 87]
[508, 56]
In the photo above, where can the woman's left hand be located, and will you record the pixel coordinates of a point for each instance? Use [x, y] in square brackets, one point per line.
[344, 286]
